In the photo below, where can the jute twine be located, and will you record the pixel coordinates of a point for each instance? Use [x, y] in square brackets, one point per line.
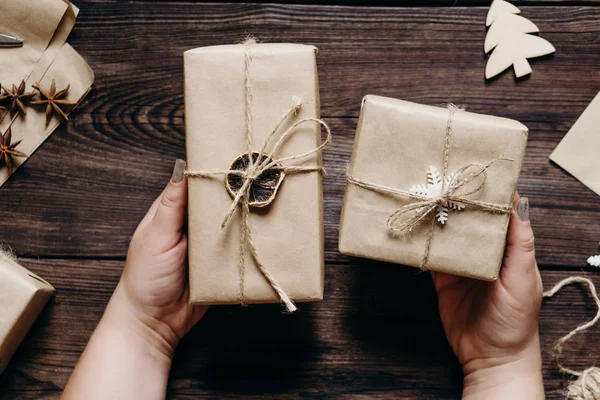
[587, 384]
[411, 215]
[7, 253]
[256, 168]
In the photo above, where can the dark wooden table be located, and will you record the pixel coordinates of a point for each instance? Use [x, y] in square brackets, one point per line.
[70, 211]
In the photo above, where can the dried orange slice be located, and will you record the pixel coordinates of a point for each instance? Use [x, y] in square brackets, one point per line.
[264, 188]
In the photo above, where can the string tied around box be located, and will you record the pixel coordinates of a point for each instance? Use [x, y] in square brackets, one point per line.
[254, 177]
[586, 386]
[447, 193]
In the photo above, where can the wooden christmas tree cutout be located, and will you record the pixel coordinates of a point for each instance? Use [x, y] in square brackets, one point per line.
[509, 37]
[499, 8]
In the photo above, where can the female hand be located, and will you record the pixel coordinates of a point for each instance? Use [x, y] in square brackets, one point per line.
[154, 284]
[129, 355]
[493, 326]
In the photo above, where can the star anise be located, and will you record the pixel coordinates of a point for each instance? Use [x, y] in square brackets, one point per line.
[7, 150]
[2, 108]
[53, 100]
[16, 98]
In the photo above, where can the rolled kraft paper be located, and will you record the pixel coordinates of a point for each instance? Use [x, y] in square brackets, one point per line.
[288, 233]
[396, 143]
[22, 298]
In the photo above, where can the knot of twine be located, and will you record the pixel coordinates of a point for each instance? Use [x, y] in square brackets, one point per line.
[265, 161]
[411, 215]
[587, 384]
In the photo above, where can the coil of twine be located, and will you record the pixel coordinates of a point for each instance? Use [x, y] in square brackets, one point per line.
[586, 386]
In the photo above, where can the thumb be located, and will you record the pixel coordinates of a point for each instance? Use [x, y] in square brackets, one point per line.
[520, 247]
[520, 275]
[171, 209]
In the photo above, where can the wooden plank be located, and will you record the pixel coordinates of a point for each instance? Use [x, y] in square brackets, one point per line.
[394, 3]
[377, 335]
[84, 191]
[91, 205]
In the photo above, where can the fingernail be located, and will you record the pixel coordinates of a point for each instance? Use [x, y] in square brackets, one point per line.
[178, 171]
[523, 209]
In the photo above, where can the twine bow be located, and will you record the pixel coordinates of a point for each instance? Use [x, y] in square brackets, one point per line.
[265, 161]
[587, 384]
[411, 215]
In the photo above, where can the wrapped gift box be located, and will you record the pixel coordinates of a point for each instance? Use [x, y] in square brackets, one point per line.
[396, 145]
[22, 298]
[288, 233]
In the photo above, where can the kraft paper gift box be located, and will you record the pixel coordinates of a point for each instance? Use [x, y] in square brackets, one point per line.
[395, 203]
[233, 92]
[22, 298]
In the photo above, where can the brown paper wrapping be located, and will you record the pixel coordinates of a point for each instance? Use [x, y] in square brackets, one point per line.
[289, 233]
[22, 298]
[56, 44]
[34, 22]
[44, 26]
[68, 68]
[396, 142]
[30, 62]
[578, 152]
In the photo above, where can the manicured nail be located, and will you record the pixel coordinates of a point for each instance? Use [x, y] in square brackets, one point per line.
[178, 171]
[523, 209]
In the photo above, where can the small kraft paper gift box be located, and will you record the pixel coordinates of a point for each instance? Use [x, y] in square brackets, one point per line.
[22, 298]
[253, 141]
[431, 187]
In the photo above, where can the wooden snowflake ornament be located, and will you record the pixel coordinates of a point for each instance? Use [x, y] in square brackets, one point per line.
[509, 37]
[433, 189]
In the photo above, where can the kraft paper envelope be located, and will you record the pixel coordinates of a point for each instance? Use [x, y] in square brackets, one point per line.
[68, 68]
[54, 46]
[579, 151]
[34, 22]
[58, 40]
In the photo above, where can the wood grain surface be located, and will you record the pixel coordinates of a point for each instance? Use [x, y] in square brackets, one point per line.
[70, 211]
[397, 3]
